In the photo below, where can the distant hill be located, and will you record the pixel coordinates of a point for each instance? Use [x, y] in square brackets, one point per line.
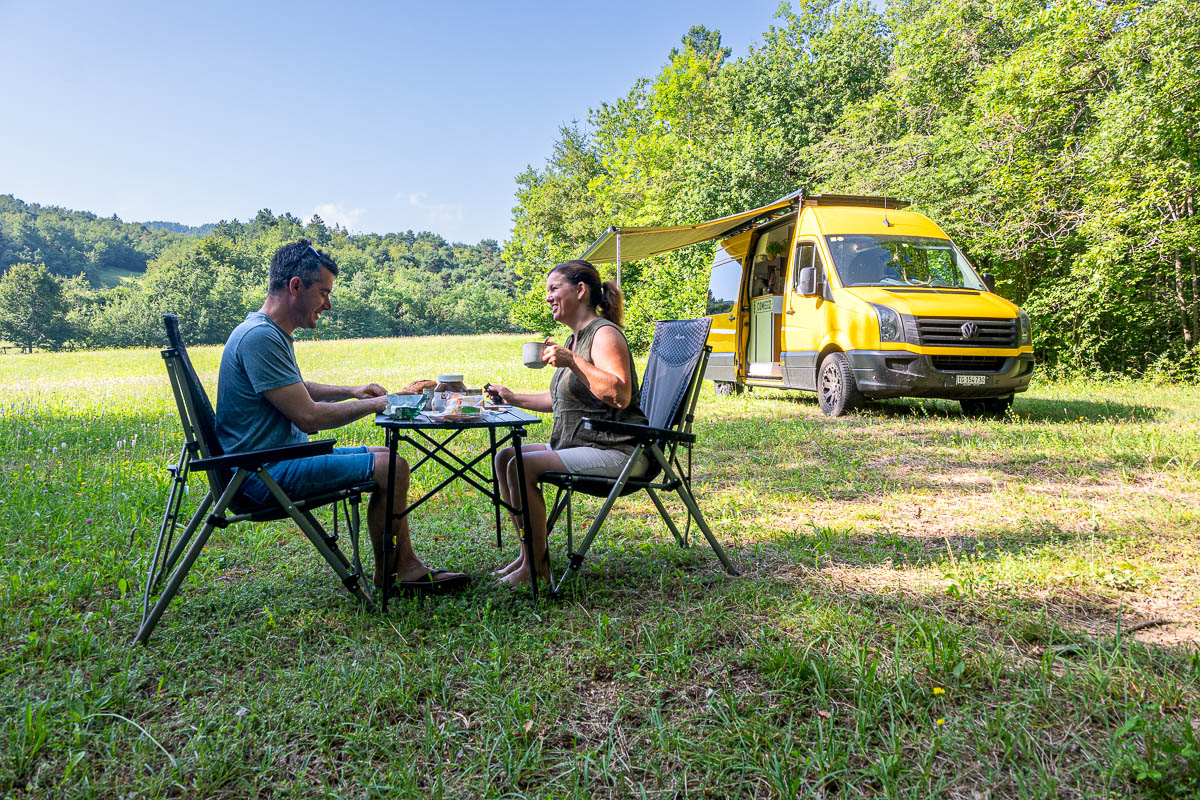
[73, 243]
[392, 284]
[179, 227]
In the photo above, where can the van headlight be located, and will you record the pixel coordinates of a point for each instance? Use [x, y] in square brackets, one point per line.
[891, 329]
[1026, 329]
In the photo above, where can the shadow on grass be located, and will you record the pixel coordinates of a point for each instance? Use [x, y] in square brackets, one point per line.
[797, 459]
[1026, 408]
[630, 576]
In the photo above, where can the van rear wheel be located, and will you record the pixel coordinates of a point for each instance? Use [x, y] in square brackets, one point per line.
[837, 391]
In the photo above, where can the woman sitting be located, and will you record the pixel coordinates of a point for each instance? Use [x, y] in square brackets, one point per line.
[595, 377]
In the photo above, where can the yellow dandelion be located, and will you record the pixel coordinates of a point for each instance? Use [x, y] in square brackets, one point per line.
[938, 690]
[941, 722]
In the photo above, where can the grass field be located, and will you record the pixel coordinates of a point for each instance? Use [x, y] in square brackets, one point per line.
[929, 606]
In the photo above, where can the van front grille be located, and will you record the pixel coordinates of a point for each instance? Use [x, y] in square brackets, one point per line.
[961, 332]
[968, 363]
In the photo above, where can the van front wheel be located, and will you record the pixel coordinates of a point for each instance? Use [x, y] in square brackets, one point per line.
[837, 391]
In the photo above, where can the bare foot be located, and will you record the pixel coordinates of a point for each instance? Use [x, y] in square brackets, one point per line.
[516, 564]
[420, 572]
[520, 577]
[517, 577]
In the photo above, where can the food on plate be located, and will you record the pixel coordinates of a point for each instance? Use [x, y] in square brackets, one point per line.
[416, 387]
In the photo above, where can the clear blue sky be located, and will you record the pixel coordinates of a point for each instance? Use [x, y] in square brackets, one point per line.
[380, 116]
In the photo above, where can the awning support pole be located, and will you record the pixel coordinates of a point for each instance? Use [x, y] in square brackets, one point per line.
[619, 258]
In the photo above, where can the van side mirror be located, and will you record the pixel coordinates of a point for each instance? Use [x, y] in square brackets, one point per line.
[989, 280]
[807, 282]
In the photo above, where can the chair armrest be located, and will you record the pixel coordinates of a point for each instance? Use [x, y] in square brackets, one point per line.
[644, 433]
[252, 459]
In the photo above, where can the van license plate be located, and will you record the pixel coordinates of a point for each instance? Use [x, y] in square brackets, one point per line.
[970, 380]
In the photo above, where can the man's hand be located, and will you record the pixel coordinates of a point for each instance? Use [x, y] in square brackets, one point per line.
[368, 391]
[308, 414]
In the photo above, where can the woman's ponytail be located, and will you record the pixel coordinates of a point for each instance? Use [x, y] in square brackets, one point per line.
[612, 303]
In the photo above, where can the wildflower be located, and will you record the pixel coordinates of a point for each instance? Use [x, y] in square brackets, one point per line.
[938, 690]
[941, 722]
[90, 520]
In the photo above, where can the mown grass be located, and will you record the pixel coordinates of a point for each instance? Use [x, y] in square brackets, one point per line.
[929, 606]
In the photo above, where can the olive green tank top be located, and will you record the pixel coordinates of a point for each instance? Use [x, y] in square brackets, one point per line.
[571, 401]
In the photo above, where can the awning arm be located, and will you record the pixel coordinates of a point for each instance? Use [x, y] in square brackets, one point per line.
[618, 258]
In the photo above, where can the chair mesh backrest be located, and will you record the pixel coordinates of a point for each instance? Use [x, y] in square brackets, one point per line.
[199, 409]
[670, 369]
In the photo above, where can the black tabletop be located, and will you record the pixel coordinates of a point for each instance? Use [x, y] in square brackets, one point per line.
[489, 419]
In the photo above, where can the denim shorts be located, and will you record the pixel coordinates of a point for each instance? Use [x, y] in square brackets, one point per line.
[305, 477]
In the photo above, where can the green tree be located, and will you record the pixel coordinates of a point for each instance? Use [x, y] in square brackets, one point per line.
[316, 231]
[32, 309]
[704, 137]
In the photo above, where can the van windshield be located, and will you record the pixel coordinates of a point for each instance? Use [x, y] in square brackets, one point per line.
[880, 260]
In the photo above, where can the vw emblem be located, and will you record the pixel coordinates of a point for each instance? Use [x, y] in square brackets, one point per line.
[969, 330]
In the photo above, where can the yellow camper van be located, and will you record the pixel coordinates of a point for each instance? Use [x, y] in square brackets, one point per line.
[851, 297]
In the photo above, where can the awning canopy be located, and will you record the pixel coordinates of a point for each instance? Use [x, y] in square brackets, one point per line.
[638, 243]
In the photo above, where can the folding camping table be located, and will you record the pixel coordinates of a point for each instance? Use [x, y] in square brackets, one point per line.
[433, 439]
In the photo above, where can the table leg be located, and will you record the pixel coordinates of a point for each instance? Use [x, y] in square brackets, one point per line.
[495, 485]
[526, 526]
[390, 510]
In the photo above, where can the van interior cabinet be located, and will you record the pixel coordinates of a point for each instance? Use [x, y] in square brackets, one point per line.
[763, 352]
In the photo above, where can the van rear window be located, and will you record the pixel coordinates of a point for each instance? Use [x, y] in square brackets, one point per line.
[724, 285]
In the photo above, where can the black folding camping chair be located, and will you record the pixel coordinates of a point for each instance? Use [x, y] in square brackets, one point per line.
[670, 388]
[223, 506]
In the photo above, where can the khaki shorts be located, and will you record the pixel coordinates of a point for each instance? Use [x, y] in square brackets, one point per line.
[600, 462]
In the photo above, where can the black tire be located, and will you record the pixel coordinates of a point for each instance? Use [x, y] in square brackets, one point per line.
[994, 407]
[726, 388]
[837, 391]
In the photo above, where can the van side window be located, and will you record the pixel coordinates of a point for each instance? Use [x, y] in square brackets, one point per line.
[724, 285]
[804, 258]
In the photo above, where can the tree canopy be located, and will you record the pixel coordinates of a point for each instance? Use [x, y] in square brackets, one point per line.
[1057, 143]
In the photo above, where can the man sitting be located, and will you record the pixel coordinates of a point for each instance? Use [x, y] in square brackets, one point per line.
[262, 401]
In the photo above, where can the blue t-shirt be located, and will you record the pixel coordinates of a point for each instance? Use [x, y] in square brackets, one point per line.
[258, 357]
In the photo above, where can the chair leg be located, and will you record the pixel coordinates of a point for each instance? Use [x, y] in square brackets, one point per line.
[184, 538]
[685, 494]
[575, 559]
[312, 529]
[155, 572]
[193, 552]
[355, 531]
[170, 520]
[662, 512]
[562, 502]
[556, 509]
[570, 521]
